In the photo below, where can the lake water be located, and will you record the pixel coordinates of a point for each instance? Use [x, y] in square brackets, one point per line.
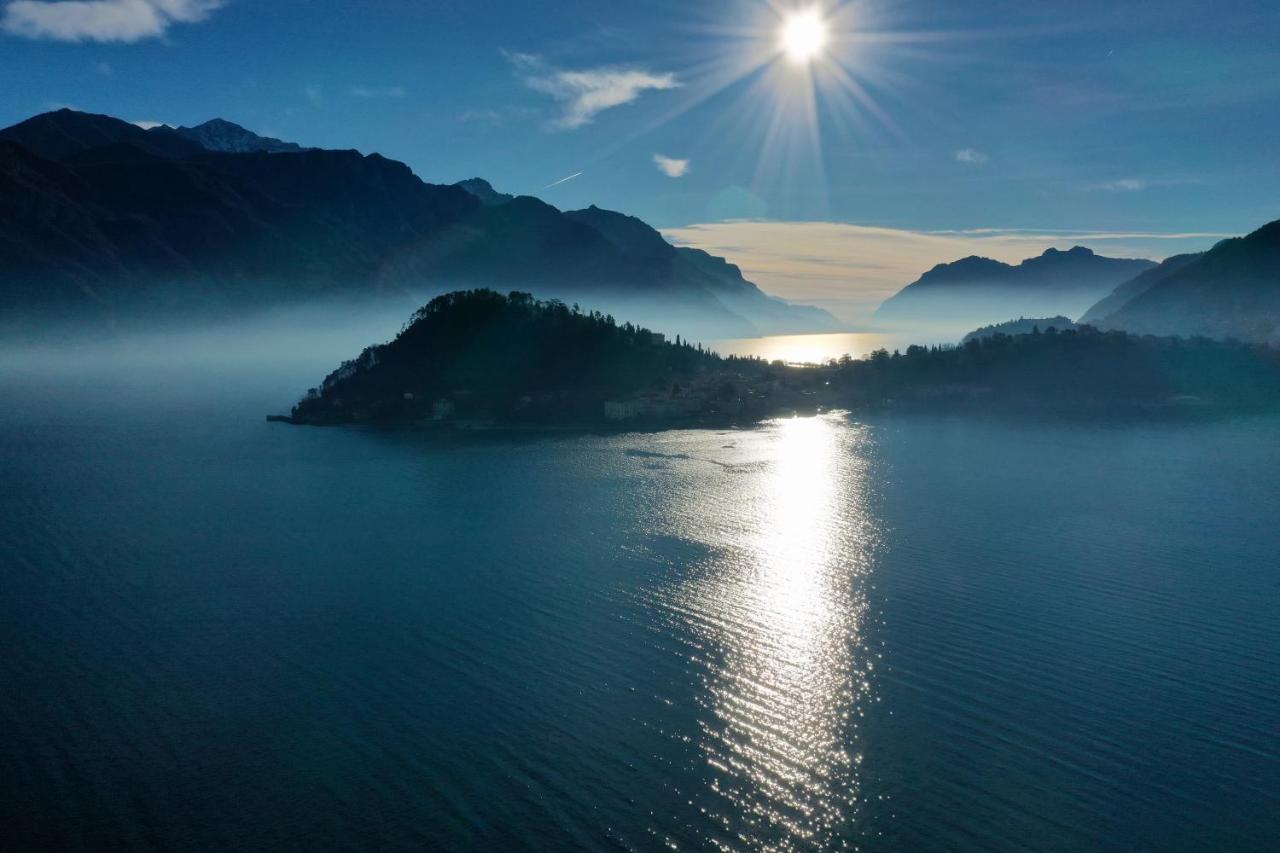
[812, 348]
[826, 632]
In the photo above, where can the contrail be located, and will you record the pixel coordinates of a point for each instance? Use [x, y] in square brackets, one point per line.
[561, 181]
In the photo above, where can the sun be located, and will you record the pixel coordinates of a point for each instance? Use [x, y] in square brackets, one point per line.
[804, 35]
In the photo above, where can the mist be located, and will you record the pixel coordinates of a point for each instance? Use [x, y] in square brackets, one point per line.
[950, 316]
[255, 364]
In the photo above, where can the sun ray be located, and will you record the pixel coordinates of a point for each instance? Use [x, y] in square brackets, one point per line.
[786, 80]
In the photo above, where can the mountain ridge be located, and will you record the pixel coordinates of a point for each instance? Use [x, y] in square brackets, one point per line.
[218, 134]
[1230, 291]
[978, 291]
[99, 216]
[1137, 285]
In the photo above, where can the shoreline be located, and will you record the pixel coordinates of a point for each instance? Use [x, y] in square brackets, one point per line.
[1101, 411]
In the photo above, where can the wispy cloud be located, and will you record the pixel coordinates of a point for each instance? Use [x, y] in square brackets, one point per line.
[101, 20]
[563, 180]
[585, 94]
[972, 156]
[670, 166]
[851, 269]
[378, 91]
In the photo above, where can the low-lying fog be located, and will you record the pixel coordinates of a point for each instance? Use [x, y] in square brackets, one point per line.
[263, 363]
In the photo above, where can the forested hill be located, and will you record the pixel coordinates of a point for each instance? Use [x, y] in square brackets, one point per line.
[479, 355]
[486, 355]
[1073, 372]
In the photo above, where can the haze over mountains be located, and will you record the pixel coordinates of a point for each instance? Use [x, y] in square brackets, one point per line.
[103, 220]
[107, 222]
[1139, 284]
[1232, 290]
[975, 291]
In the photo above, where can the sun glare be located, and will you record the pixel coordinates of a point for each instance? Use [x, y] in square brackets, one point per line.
[804, 34]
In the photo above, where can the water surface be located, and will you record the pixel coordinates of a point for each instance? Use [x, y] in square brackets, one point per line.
[825, 632]
[810, 349]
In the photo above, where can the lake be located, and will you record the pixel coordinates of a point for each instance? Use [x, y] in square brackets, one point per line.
[830, 632]
[811, 348]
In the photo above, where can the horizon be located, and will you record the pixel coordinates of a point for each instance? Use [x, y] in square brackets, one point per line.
[900, 146]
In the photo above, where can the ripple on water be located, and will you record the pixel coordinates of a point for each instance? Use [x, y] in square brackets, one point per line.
[773, 619]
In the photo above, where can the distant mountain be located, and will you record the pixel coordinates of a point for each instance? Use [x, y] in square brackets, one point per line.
[1022, 326]
[66, 133]
[221, 135]
[1232, 290]
[976, 291]
[627, 233]
[688, 268]
[1137, 285]
[483, 190]
[101, 219]
[117, 232]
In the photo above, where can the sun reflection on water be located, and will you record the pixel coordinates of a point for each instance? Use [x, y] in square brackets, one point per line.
[808, 349]
[780, 617]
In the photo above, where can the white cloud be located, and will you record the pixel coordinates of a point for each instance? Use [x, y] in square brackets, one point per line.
[851, 269]
[971, 156]
[147, 124]
[378, 92]
[100, 20]
[670, 166]
[585, 94]
[1124, 185]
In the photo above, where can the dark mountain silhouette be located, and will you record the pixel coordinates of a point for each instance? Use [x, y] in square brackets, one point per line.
[483, 190]
[1232, 290]
[100, 219]
[976, 291]
[693, 269]
[222, 135]
[1139, 284]
[65, 133]
[116, 231]
[631, 235]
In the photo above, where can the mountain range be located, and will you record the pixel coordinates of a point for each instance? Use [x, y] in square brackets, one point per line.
[107, 221]
[1139, 284]
[977, 291]
[1230, 291]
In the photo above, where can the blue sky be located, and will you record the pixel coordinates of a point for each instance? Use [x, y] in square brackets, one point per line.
[1121, 121]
